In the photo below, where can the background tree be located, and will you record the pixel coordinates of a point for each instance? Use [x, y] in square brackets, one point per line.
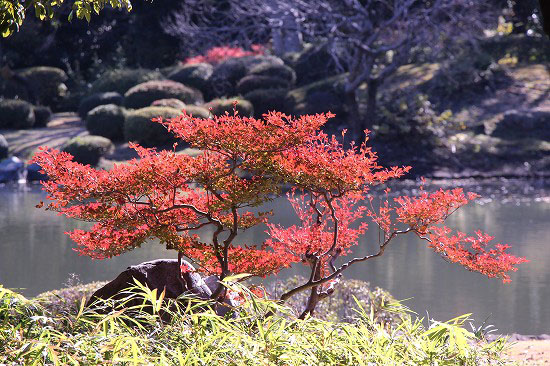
[369, 39]
[244, 164]
[13, 12]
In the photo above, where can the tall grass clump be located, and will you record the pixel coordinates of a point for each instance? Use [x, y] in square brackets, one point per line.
[258, 332]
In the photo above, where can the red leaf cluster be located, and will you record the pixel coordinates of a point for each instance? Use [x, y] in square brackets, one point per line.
[217, 55]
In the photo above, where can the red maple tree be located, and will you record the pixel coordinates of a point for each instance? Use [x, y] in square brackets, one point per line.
[246, 162]
[216, 55]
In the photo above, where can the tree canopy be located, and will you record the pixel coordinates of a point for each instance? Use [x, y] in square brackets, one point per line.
[13, 12]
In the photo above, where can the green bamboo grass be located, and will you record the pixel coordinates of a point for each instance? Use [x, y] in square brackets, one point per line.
[188, 332]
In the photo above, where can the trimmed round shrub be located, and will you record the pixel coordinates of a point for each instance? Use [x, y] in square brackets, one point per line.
[195, 75]
[121, 80]
[47, 82]
[142, 95]
[88, 149]
[138, 126]
[16, 114]
[107, 121]
[220, 106]
[227, 74]
[275, 71]
[170, 102]
[254, 82]
[94, 100]
[3, 147]
[42, 115]
[197, 111]
[266, 100]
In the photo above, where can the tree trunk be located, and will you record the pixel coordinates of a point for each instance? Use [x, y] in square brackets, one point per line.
[313, 295]
[285, 32]
[311, 303]
[354, 119]
[369, 119]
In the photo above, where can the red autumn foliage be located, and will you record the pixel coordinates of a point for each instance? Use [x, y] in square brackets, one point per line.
[217, 55]
[245, 162]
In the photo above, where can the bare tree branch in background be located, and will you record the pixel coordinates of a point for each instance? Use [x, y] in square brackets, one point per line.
[370, 39]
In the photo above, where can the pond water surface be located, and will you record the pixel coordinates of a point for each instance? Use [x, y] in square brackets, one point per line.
[36, 256]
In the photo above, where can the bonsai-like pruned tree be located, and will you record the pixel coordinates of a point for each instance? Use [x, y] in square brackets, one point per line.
[246, 162]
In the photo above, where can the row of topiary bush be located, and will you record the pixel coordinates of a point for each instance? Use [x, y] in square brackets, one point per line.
[20, 114]
[267, 82]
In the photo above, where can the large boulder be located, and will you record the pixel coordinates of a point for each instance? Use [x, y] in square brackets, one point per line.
[97, 99]
[142, 95]
[219, 107]
[107, 121]
[139, 128]
[123, 79]
[3, 147]
[88, 149]
[161, 275]
[16, 114]
[516, 124]
[195, 75]
[12, 169]
[34, 173]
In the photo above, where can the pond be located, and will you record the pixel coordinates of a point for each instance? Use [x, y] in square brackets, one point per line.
[36, 256]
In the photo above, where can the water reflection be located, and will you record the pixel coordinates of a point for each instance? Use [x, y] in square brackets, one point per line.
[36, 256]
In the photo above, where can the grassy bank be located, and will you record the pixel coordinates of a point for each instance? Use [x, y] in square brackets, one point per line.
[192, 334]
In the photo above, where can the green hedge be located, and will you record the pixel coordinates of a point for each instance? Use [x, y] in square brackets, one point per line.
[197, 111]
[107, 121]
[227, 74]
[48, 83]
[97, 99]
[196, 76]
[88, 149]
[142, 95]
[121, 80]
[266, 100]
[16, 114]
[138, 126]
[169, 102]
[42, 115]
[220, 106]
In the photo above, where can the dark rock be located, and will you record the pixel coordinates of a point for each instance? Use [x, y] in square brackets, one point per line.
[162, 275]
[12, 170]
[33, 173]
[3, 147]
